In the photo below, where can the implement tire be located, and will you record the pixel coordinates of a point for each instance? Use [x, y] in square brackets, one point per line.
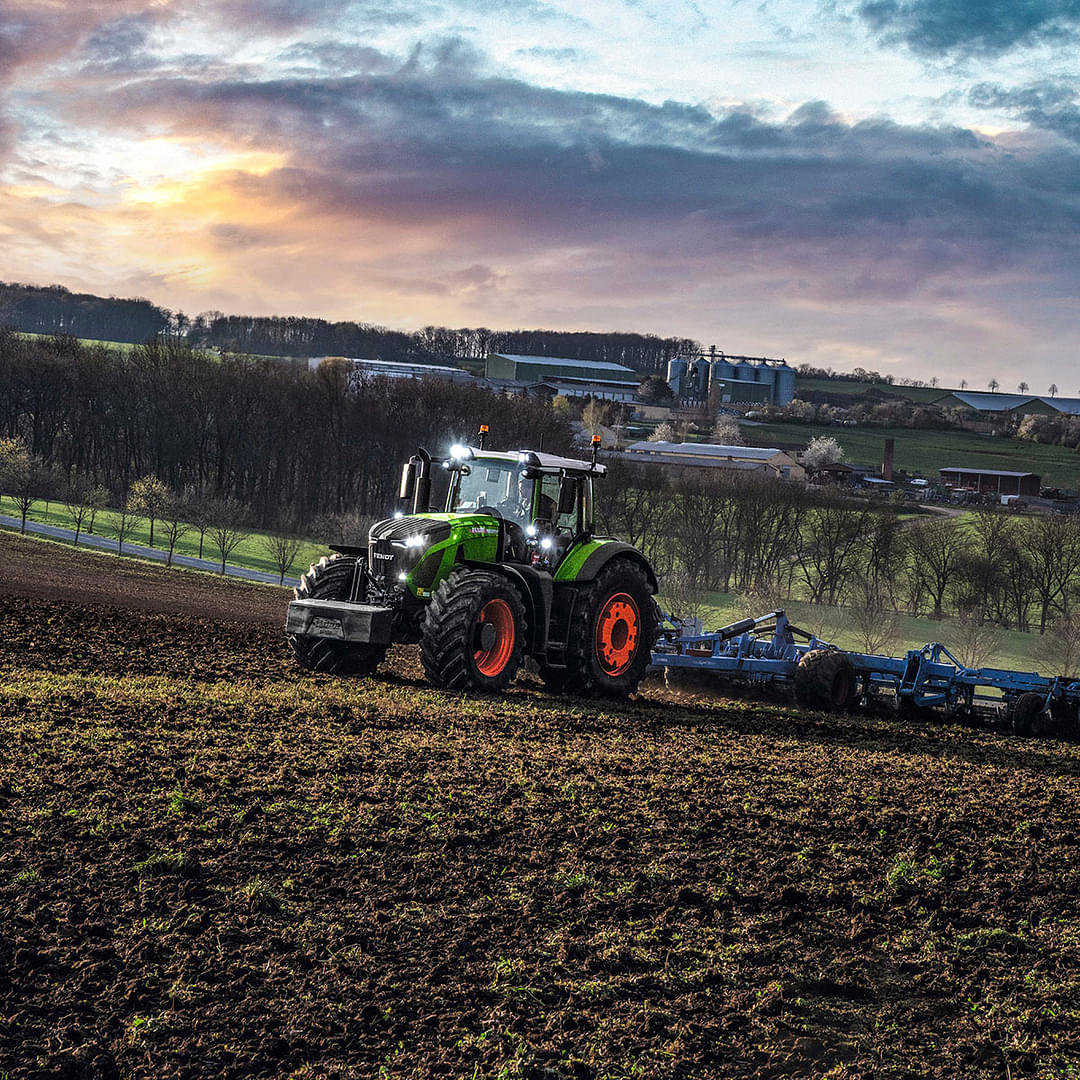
[614, 630]
[473, 632]
[1027, 716]
[825, 680]
[331, 578]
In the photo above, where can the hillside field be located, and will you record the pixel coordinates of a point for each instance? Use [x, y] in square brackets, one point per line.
[215, 865]
[925, 452]
[854, 388]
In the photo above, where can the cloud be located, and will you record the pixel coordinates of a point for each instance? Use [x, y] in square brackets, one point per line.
[1051, 106]
[971, 28]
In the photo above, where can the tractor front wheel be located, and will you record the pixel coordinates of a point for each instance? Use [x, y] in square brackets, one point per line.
[614, 631]
[473, 632]
[331, 578]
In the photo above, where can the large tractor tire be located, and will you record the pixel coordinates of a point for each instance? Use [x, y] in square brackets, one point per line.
[825, 680]
[473, 632]
[331, 578]
[610, 642]
[1028, 716]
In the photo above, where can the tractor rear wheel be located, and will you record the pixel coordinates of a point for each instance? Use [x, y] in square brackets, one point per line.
[331, 578]
[1027, 715]
[610, 643]
[473, 632]
[825, 680]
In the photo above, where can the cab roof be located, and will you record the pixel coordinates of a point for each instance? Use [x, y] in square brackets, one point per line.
[537, 459]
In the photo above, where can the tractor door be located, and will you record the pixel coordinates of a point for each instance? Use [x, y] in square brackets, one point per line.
[561, 512]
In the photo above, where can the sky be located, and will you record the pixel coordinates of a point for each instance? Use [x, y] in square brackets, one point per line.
[890, 184]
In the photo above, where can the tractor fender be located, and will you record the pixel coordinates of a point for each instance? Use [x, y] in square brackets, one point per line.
[615, 549]
[536, 590]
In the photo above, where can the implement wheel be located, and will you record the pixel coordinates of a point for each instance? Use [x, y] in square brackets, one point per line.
[610, 642]
[825, 680]
[1029, 716]
[331, 578]
[473, 632]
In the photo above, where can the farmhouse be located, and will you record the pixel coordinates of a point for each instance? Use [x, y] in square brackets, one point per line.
[768, 461]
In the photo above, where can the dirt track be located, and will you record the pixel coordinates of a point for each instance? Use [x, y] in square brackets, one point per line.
[212, 865]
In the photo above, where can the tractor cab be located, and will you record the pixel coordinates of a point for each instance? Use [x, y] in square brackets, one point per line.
[546, 501]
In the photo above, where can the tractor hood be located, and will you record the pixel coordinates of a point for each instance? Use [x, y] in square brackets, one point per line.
[431, 527]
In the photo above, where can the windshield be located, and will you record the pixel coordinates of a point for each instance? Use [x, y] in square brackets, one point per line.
[498, 485]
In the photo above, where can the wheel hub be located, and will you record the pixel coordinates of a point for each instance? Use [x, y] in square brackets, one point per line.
[617, 631]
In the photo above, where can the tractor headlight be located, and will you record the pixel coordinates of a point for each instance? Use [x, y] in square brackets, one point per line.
[417, 541]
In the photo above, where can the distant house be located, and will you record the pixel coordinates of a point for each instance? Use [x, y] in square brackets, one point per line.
[767, 461]
[991, 481]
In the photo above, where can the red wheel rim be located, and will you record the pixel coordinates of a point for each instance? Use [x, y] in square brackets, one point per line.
[617, 631]
[497, 614]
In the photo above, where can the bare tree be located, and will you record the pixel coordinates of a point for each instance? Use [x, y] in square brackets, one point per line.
[828, 545]
[935, 554]
[77, 503]
[875, 625]
[1052, 546]
[124, 524]
[282, 551]
[993, 384]
[97, 499]
[226, 531]
[975, 641]
[173, 524]
[1052, 389]
[1022, 387]
[1058, 653]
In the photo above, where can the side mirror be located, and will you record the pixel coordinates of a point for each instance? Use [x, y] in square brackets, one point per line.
[408, 479]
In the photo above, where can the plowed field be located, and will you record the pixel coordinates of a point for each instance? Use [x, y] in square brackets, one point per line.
[212, 865]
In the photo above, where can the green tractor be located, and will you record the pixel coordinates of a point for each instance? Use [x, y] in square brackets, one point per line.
[510, 569]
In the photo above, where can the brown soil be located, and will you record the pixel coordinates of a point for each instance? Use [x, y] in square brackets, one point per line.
[213, 865]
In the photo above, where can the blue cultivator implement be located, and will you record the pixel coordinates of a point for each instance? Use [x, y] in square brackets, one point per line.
[769, 649]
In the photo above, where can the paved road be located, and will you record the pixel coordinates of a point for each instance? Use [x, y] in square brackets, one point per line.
[138, 551]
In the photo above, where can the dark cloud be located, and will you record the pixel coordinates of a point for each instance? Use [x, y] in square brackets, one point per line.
[120, 45]
[971, 28]
[1048, 105]
[293, 15]
[500, 165]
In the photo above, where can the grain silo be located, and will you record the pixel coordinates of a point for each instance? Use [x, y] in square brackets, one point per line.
[784, 384]
[676, 376]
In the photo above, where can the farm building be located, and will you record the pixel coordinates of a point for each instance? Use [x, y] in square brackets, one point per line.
[765, 460]
[390, 369]
[991, 481]
[597, 388]
[524, 370]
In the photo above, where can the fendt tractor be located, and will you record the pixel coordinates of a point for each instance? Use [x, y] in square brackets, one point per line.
[510, 569]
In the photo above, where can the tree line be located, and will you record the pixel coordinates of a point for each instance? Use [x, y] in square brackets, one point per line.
[55, 310]
[719, 531]
[289, 446]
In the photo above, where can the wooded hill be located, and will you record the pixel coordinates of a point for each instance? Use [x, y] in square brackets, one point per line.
[56, 310]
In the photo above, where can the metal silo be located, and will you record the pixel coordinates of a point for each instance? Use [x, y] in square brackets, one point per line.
[745, 371]
[676, 376]
[766, 374]
[784, 384]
